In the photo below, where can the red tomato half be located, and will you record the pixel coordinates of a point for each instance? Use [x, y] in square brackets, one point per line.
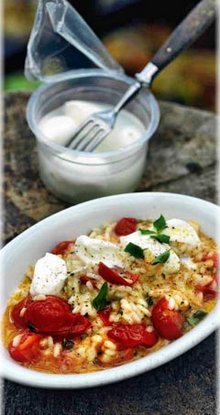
[63, 247]
[132, 335]
[105, 314]
[48, 315]
[208, 291]
[80, 324]
[53, 316]
[168, 323]
[117, 275]
[28, 349]
[18, 319]
[125, 226]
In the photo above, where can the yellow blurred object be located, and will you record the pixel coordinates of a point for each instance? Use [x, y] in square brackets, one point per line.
[190, 79]
[133, 46]
[18, 17]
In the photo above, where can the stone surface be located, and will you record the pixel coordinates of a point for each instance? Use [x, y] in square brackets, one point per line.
[181, 160]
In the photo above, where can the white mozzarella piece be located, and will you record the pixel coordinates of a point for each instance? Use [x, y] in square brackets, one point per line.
[156, 248]
[172, 265]
[58, 128]
[144, 241]
[50, 273]
[188, 263]
[181, 231]
[93, 251]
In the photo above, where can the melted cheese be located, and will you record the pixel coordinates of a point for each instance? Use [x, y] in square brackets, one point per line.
[93, 251]
[155, 248]
[181, 231]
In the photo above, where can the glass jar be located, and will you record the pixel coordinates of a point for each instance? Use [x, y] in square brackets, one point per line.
[76, 176]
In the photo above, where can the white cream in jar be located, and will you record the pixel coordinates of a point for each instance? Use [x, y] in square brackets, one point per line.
[59, 125]
[76, 176]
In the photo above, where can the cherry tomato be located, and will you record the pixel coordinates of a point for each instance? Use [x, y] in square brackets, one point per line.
[104, 315]
[132, 335]
[117, 275]
[48, 315]
[27, 349]
[168, 323]
[53, 316]
[84, 279]
[63, 247]
[19, 319]
[80, 324]
[208, 291]
[125, 226]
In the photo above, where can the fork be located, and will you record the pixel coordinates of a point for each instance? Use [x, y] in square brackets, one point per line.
[96, 128]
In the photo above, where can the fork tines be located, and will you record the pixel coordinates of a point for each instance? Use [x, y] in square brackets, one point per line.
[88, 135]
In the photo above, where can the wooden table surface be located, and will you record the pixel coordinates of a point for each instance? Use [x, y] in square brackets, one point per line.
[181, 160]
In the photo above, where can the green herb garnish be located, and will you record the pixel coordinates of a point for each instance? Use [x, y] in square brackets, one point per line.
[160, 259]
[196, 317]
[147, 232]
[160, 223]
[134, 250]
[161, 238]
[100, 300]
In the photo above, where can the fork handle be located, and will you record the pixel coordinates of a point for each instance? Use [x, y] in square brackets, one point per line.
[181, 38]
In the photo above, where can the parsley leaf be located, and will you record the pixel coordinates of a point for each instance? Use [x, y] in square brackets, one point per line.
[160, 223]
[196, 317]
[99, 302]
[160, 259]
[147, 232]
[134, 250]
[161, 238]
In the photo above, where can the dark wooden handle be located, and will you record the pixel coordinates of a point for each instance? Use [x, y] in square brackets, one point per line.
[186, 33]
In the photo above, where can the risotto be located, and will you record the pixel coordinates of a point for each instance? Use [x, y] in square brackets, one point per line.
[123, 291]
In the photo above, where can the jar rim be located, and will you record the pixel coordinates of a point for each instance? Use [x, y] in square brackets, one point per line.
[69, 154]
